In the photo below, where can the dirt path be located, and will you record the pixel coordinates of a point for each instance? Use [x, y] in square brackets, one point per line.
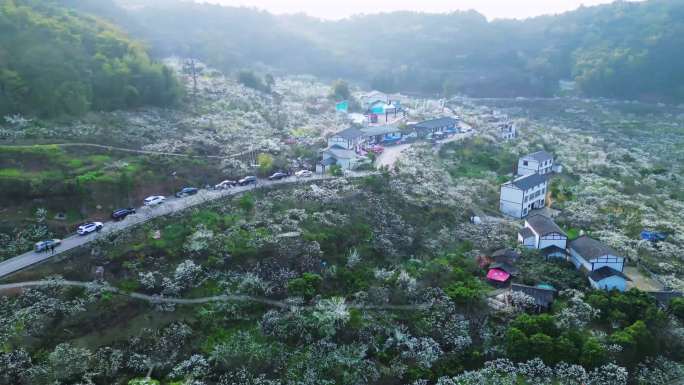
[13, 287]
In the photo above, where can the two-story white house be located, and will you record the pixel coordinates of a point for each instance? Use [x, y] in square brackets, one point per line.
[540, 162]
[541, 232]
[588, 254]
[350, 139]
[523, 194]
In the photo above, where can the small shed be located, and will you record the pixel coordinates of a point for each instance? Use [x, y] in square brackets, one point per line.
[607, 278]
[543, 296]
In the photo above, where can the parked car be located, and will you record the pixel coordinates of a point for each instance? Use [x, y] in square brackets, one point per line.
[377, 149]
[247, 180]
[154, 200]
[304, 174]
[89, 227]
[121, 214]
[44, 245]
[226, 184]
[278, 176]
[187, 191]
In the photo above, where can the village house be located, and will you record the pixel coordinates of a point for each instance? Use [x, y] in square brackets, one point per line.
[350, 139]
[381, 134]
[541, 232]
[432, 126]
[588, 254]
[523, 194]
[338, 155]
[540, 162]
[607, 278]
[507, 131]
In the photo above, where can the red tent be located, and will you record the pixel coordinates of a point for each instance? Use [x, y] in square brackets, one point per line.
[498, 275]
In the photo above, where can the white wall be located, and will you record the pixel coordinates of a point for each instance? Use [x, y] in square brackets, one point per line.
[546, 241]
[528, 242]
[344, 143]
[578, 260]
[531, 168]
[510, 201]
[600, 262]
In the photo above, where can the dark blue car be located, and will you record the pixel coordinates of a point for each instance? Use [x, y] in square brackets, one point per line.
[187, 191]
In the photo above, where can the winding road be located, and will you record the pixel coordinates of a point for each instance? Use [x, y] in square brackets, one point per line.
[144, 214]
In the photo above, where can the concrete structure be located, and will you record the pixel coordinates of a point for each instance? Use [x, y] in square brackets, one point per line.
[350, 139]
[520, 196]
[606, 278]
[540, 162]
[541, 232]
[589, 255]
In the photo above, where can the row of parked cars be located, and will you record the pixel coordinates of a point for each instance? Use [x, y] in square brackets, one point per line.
[155, 200]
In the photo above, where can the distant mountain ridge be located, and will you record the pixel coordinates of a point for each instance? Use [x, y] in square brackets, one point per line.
[624, 50]
[54, 62]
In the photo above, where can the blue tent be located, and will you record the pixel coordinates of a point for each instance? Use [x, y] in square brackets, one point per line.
[653, 236]
[342, 106]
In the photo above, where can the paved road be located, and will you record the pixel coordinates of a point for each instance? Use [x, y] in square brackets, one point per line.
[143, 215]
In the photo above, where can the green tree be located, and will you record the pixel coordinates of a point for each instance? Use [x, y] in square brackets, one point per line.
[517, 344]
[306, 286]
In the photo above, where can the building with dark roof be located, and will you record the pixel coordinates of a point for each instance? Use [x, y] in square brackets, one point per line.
[607, 278]
[540, 162]
[506, 256]
[380, 134]
[543, 297]
[350, 139]
[589, 254]
[445, 124]
[523, 194]
[541, 232]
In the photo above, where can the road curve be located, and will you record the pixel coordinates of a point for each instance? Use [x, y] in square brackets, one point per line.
[191, 301]
[144, 214]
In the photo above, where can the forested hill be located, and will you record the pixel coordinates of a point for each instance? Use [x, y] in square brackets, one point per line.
[627, 50]
[55, 61]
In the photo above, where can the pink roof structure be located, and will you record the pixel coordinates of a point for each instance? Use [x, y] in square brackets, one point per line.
[498, 275]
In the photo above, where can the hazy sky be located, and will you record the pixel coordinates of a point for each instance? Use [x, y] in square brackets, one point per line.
[335, 9]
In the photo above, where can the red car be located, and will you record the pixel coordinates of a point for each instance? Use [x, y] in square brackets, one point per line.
[377, 149]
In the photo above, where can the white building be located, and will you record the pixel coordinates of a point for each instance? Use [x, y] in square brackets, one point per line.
[541, 232]
[336, 155]
[523, 194]
[350, 139]
[589, 254]
[540, 162]
[507, 131]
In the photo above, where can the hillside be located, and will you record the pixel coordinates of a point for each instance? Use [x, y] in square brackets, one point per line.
[625, 50]
[54, 62]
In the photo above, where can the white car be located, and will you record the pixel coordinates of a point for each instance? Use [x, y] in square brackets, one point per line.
[89, 227]
[226, 184]
[303, 174]
[154, 200]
